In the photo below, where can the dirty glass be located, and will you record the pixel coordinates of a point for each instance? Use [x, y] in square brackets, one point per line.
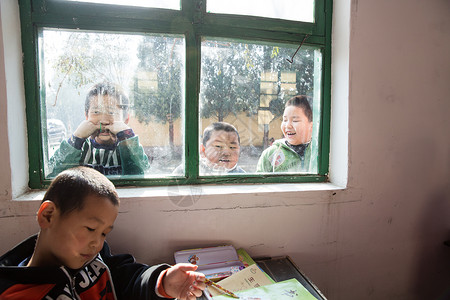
[169, 4]
[131, 123]
[295, 10]
[246, 85]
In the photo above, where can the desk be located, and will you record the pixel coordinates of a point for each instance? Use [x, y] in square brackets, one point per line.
[283, 268]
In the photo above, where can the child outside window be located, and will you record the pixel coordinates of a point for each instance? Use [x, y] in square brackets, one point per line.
[69, 258]
[219, 151]
[103, 141]
[293, 153]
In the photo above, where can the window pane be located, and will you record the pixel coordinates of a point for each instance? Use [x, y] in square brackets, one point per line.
[169, 4]
[131, 123]
[295, 10]
[247, 85]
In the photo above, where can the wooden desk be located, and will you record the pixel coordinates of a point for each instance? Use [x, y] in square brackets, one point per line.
[283, 268]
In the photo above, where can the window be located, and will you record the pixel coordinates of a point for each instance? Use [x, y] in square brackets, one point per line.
[146, 93]
[150, 65]
[298, 10]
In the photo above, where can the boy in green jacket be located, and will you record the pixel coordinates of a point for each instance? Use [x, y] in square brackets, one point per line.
[293, 153]
[103, 141]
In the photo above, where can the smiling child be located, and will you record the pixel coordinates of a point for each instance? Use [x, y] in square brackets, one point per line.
[293, 153]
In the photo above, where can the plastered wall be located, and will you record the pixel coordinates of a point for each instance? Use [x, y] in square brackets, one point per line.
[379, 238]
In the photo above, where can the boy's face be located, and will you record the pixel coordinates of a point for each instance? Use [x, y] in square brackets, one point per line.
[296, 127]
[104, 111]
[222, 149]
[77, 237]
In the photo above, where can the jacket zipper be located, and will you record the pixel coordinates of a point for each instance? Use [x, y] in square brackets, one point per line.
[72, 284]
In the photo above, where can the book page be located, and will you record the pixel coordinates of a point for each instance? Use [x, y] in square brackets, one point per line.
[285, 290]
[248, 278]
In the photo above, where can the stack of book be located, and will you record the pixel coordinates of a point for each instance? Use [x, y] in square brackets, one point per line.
[234, 274]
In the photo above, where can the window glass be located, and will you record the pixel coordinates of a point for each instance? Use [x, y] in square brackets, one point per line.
[169, 4]
[113, 101]
[296, 10]
[150, 84]
[246, 85]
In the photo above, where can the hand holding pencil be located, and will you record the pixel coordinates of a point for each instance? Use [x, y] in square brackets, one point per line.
[181, 281]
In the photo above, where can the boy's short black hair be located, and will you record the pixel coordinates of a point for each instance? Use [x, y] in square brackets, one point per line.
[71, 187]
[303, 102]
[216, 127]
[110, 89]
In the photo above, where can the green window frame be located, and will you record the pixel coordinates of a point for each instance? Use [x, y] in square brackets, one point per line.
[193, 22]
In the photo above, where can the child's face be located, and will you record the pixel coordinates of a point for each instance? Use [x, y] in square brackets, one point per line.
[296, 127]
[104, 110]
[76, 238]
[222, 149]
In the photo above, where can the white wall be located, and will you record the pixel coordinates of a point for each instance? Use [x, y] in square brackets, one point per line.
[381, 237]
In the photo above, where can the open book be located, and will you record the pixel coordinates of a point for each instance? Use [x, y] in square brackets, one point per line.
[248, 278]
[285, 290]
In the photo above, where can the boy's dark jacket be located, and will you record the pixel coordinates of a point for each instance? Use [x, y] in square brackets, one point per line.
[106, 277]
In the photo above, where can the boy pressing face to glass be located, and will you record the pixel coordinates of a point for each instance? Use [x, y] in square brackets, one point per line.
[103, 140]
[70, 259]
[293, 153]
[220, 147]
[106, 115]
[219, 151]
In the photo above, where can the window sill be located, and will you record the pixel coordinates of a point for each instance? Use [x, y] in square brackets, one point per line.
[203, 190]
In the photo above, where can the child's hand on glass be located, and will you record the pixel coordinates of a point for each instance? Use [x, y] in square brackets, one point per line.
[86, 129]
[182, 282]
[116, 127]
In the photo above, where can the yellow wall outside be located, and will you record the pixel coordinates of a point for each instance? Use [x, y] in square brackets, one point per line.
[157, 134]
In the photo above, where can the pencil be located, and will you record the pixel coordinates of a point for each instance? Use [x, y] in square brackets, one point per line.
[222, 289]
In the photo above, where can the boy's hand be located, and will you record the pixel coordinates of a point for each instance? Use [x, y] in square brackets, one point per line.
[117, 126]
[85, 129]
[182, 282]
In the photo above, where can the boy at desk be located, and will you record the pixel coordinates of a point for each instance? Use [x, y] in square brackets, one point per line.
[69, 258]
[219, 151]
[103, 141]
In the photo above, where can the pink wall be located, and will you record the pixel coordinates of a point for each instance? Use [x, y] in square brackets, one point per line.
[381, 237]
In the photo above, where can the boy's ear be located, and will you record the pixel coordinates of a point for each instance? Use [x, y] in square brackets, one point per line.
[46, 213]
[127, 119]
[202, 149]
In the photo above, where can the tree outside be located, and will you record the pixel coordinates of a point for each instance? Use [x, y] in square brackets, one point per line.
[158, 92]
